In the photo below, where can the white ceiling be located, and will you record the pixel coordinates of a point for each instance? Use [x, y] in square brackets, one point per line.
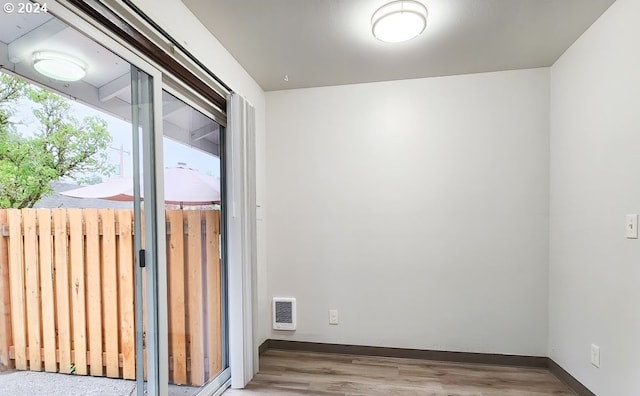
[329, 42]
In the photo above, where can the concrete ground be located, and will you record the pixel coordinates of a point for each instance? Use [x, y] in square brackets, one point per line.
[31, 383]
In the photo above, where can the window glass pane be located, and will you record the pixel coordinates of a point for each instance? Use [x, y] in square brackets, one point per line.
[66, 159]
[194, 268]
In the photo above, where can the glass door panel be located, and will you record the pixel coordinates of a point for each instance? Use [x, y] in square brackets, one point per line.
[81, 310]
[195, 274]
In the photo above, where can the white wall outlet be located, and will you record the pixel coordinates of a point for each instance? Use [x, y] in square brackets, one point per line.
[595, 355]
[333, 316]
[632, 226]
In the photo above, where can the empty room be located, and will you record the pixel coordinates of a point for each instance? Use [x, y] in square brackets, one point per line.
[414, 197]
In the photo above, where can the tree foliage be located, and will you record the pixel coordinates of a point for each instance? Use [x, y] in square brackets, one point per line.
[60, 147]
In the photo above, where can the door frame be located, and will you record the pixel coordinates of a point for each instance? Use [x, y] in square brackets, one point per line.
[157, 375]
[88, 18]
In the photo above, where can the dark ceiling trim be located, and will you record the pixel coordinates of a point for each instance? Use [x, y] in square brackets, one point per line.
[107, 18]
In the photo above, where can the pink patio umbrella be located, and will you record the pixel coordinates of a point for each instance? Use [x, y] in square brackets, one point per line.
[182, 186]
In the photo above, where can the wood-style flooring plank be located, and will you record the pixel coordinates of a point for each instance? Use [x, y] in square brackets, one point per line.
[310, 373]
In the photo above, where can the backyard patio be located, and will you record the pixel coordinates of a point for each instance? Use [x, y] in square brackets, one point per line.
[50, 384]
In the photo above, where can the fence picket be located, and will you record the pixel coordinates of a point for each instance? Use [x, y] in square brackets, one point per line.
[214, 319]
[78, 305]
[94, 290]
[16, 280]
[126, 284]
[195, 297]
[6, 336]
[46, 289]
[61, 270]
[110, 292]
[32, 290]
[177, 325]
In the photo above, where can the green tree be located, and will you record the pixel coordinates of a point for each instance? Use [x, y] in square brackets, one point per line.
[61, 147]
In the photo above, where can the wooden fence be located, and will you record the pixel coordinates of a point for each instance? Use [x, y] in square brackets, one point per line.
[67, 292]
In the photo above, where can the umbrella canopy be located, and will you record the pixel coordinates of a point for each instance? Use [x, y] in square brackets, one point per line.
[120, 189]
[182, 186]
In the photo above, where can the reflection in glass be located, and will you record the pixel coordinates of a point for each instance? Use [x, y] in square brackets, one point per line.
[192, 179]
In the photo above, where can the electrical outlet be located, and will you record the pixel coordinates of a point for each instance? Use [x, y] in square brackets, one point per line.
[333, 316]
[595, 355]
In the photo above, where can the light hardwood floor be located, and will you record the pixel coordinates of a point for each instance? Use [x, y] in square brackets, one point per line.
[309, 373]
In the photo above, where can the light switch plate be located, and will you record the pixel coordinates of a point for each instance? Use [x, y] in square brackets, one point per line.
[632, 226]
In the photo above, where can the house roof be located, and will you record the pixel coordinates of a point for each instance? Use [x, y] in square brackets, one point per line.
[57, 200]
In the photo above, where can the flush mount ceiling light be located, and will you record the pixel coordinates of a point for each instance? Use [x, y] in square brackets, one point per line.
[59, 66]
[399, 21]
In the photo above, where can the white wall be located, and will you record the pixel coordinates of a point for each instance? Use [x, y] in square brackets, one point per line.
[417, 208]
[595, 182]
[174, 17]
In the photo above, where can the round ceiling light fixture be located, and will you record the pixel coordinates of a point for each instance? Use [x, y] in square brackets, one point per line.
[59, 66]
[399, 21]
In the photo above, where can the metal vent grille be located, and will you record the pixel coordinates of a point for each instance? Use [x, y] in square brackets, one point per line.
[284, 312]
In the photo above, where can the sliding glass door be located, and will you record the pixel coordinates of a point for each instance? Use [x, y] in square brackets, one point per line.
[133, 287]
[196, 280]
[87, 109]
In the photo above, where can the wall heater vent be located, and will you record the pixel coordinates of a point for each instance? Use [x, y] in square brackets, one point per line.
[284, 313]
